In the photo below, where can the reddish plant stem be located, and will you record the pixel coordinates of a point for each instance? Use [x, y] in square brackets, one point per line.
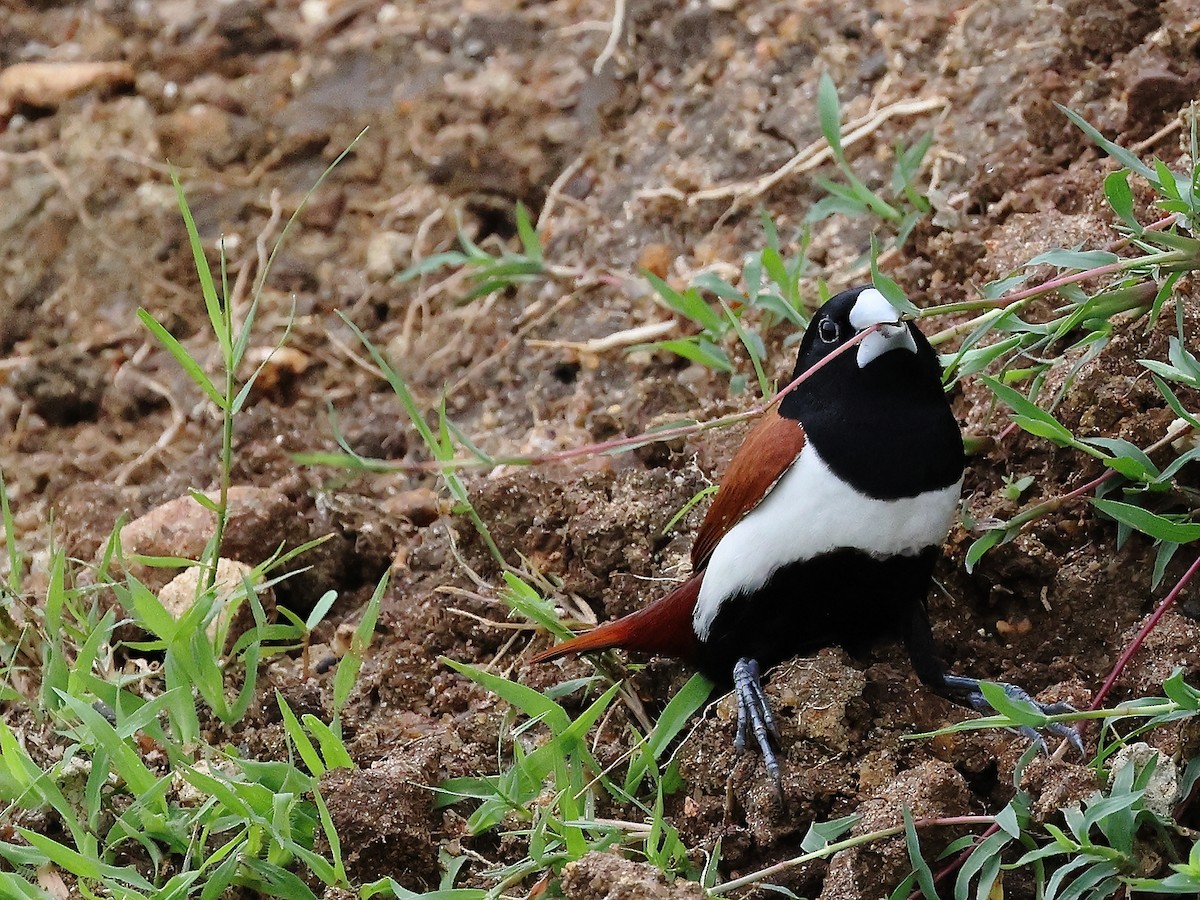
[682, 430]
[1143, 633]
[1096, 703]
[1125, 657]
[666, 434]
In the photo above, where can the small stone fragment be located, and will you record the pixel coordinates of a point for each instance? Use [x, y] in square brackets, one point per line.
[49, 84]
[260, 519]
[386, 252]
[420, 506]
[235, 616]
[656, 259]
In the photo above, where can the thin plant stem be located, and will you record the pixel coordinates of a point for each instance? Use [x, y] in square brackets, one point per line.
[837, 847]
[1143, 633]
[1054, 503]
[665, 434]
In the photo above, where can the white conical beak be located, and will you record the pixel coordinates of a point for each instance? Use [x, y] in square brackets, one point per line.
[872, 308]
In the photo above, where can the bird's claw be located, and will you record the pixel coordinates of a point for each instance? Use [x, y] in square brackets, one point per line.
[754, 712]
[969, 688]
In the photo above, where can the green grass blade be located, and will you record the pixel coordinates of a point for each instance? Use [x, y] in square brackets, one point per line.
[830, 114]
[83, 866]
[1116, 151]
[675, 716]
[333, 748]
[216, 315]
[1156, 526]
[13, 886]
[348, 668]
[185, 359]
[15, 563]
[125, 760]
[531, 702]
[299, 738]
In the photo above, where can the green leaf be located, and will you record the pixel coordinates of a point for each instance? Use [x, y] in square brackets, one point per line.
[830, 114]
[14, 886]
[333, 748]
[1030, 416]
[913, 844]
[530, 242]
[1143, 520]
[1116, 151]
[674, 717]
[1074, 259]
[984, 861]
[689, 304]
[715, 284]
[185, 360]
[1173, 401]
[892, 292]
[696, 349]
[982, 545]
[522, 599]
[320, 609]
[451, 258]
[348, 668]
[1020, 712]
[993, 290]
[304, 746]
[533, 703]
[1120, 198]
[821, 834]
[216, 315]
[1168, 182]
[125, 760]
[83, 866]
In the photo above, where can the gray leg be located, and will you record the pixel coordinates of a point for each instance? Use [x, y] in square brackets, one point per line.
[755, 712]
[968, 689]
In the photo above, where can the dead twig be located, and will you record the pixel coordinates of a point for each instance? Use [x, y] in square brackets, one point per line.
[614, 37]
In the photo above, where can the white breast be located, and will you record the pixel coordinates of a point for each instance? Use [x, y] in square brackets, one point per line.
[811, 511]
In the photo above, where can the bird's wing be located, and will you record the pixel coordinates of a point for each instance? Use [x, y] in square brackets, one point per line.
[766, 453]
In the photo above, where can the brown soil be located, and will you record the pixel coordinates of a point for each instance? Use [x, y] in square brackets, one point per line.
[471, 107]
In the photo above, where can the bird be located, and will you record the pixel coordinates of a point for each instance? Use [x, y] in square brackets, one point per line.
[826, 527]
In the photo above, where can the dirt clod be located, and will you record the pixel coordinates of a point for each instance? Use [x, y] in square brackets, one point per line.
[606, 876]
[64, 386]
[933, 789]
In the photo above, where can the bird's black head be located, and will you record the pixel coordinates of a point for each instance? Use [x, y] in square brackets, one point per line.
[848, 314]
[878, 408]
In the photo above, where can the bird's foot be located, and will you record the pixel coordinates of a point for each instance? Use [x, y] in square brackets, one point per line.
[969, 689]
[754, 712]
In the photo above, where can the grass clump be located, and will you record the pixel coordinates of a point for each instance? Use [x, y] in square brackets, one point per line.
[146, 794]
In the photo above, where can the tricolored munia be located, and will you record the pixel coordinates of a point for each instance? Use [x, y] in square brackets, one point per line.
[826, 526]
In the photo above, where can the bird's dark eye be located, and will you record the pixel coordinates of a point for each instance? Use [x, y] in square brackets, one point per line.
[828, 330]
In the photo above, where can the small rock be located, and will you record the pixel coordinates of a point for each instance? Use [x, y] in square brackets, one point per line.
[235, 616]
[48, 85]
[386, 252]
[656, 259]
[420, 506]
[1162, 790]
[182, 527]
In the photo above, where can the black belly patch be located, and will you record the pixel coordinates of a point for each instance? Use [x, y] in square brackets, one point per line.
[845, 597]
